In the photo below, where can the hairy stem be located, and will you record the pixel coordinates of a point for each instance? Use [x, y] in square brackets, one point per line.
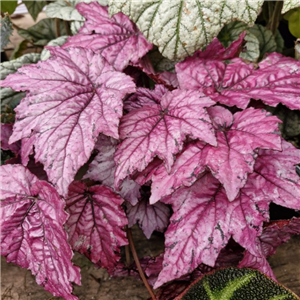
[137, 262]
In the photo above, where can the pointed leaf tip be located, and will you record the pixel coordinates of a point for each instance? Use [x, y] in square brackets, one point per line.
[72, 97]
[202, 223]
[96, 222]
[238, 138]
[276, 80]
[116, 38]
[32, 233]
[160, 130]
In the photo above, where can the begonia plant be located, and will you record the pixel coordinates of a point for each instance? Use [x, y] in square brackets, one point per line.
[139, 114]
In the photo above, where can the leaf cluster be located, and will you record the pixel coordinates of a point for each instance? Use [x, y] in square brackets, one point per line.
[124, 118]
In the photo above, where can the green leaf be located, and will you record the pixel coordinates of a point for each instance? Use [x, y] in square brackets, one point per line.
[5, 155]
[57, 42]
[75, 26]
[259, 40]
[6, 31]
[10, 67]
[289, 4]
[7, 117]
[66, 10]
[236, 284]
[8, 6]
[160, 63]
[267, 43]
[297, 49]
[10, 98]
[179, 28]
[231, 32]
[279, 41]
[34, 7]
[293, 17]
[44, 31]
[19, 49]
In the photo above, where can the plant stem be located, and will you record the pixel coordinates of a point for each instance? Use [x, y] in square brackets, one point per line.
[274, 21]
[127, 252]
[67, 27]
[270, 10]
[127, 255]
[137, 262]
[297, 49]
[68, 3]
[57, 27]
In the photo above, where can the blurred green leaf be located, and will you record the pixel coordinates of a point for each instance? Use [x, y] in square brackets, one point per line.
[6, 155]
[10, 98]
[231, 32]
[279, 41]
[34, 7]
[8, 6]
[267, 43]
[6, 31]
[56, 42]
[18, 51]
[44, 31]
[293, 17]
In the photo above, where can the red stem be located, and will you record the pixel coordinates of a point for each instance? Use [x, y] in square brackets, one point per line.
[137, 262]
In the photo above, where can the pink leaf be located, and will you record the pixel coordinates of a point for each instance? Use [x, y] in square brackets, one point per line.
[73, 96]
[258, 262]
[6, 131]
[116, 38]
[216, 51]
[276, 80]
[145, 176]
[96, 222]
[149, 217]
[277, 233]
[160, 130]
[166, 78]
[273, 235]
[238, 137]
[103, 166]
[184, 172]
[202, 223]
[32, 234]
[152, 267]
[102, 169]
[276, 174]
[145, 97]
